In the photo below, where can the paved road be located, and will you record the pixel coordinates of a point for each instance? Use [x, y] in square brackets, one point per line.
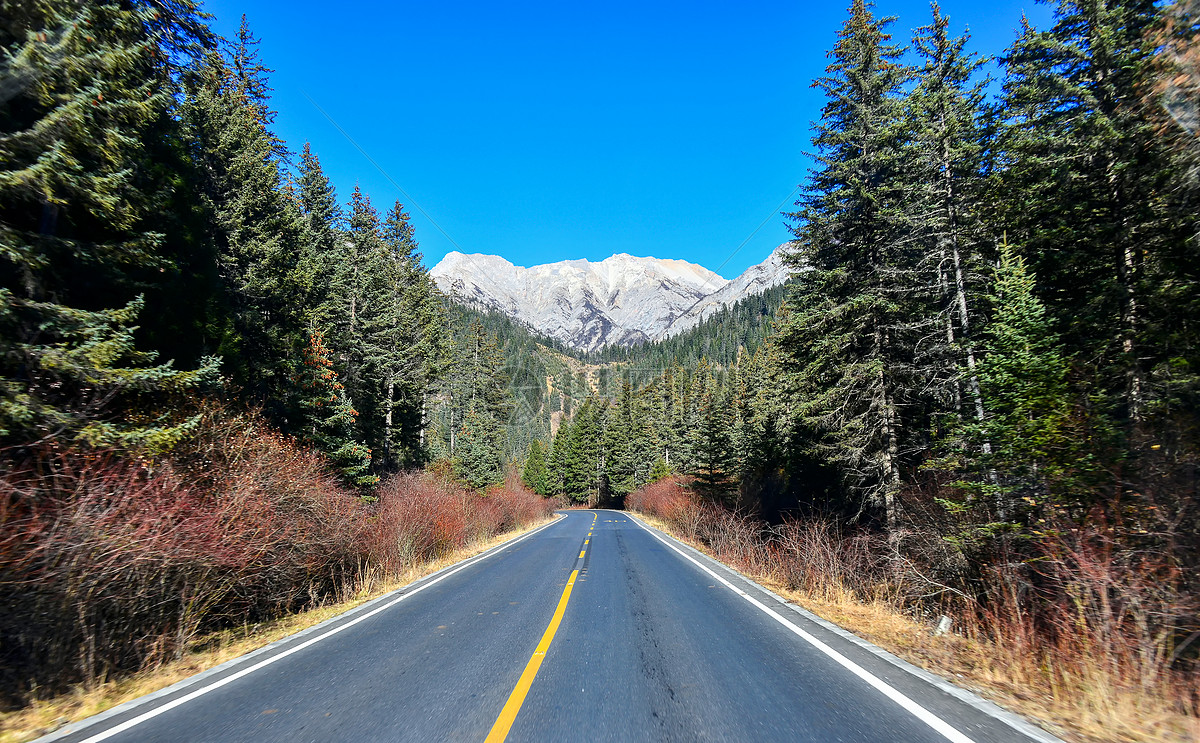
[593, 628]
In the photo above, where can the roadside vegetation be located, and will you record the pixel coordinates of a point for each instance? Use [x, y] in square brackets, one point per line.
[112, 566]
[419, 525]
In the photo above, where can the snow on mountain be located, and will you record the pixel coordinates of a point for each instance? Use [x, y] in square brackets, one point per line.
[620, 300]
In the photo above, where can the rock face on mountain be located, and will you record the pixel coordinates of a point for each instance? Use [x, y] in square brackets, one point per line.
[621, 300]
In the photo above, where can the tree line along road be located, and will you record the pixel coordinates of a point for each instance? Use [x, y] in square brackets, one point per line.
[594, 627]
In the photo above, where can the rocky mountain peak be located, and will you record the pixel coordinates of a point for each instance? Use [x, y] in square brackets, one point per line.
[623, 299]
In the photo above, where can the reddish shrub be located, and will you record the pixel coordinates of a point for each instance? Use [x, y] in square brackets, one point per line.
[668, 500]
[109, 563]
[420, 517]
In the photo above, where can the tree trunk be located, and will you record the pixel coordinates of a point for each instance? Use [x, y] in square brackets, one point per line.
[387, 421]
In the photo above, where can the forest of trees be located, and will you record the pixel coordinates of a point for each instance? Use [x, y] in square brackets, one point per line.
[160, 243]
[219, 380]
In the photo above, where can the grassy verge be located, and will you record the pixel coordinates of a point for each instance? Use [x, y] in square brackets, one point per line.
[1087, 702]
[206, 651]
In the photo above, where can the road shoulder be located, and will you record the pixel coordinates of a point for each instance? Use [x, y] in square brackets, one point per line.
[940, 696]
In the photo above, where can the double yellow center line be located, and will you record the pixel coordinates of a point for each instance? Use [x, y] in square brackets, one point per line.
[508, 715]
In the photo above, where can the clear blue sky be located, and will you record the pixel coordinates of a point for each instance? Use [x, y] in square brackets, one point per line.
[542, 131]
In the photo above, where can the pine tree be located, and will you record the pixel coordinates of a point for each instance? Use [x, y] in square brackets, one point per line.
[354, 283]
[620, 439]
[713, 444]
[557, 464]
[1082, 180]
[1024, 382]
[256, 230]
[412, 347]
[535, 475]
[659, 470]
[946, 107]
[86, 86]
[853, 327]
[329, 416]
[582, 461]
[253, 79]
[477, 459]
[322, 242]
[475, 380]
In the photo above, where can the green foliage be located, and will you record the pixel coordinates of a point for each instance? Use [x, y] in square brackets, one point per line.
[329, 417]
[857, 315]
[477, 456]
[254, 227]
[535, 475]
[658, 471]
[1024, 443]
[83, 95]
[582, 466]
[1083, 190]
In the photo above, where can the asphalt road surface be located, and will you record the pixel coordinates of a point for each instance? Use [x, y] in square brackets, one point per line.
[592, 628]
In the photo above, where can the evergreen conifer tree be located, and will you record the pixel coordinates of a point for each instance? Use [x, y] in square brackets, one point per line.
[535, 475]
[946, 108]
[1024, 381]
[1081, 184]
[256, 231]
[713, 448]
[329, 417]
[557, 464]
[621, 436]
[853, 326]
[658, 470]
[477, 459]
[85, 86]
[322, 240]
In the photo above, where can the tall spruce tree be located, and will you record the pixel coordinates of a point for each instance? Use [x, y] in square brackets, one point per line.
[322, 241]
[411, 348]
[853, 326]
[535, 475]
[557, 461]
[1082, 181]
[1024, 381]
[621, 437]
[583, 459]
[84, 86]
[254, 80]
[477, 461]
[714, 450]
[329, 418]
[256, 230]
[946, 107]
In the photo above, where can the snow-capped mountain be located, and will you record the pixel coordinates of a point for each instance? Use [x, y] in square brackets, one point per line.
[620, 300]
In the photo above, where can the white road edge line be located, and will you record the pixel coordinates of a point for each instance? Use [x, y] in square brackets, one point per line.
[916, 710]
[247, 671]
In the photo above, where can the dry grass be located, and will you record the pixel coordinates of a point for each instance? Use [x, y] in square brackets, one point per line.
[1084, 699]
[206, 651]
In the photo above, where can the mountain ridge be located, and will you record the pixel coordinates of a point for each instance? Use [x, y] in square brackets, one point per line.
[622, 300]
